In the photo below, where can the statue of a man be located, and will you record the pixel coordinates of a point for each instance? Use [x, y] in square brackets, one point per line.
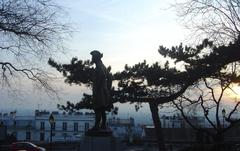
[101, 91]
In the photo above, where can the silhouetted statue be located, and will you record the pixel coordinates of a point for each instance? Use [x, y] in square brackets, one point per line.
[102, 83]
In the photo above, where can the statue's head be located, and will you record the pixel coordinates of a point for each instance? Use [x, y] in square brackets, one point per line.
[96, 56]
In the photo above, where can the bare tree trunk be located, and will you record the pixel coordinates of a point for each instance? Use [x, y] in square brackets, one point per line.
[157, 124]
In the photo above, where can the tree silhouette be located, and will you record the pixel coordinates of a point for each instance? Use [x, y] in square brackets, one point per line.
[156, 84]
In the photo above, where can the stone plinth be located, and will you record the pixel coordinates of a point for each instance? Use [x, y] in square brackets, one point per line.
[96, 143]
[99, 133]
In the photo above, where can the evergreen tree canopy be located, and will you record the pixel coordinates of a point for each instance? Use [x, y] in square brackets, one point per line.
[147, 83]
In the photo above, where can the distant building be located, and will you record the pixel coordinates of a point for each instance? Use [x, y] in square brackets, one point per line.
[37, 128]
[22, 127]
[121, 127]
[65, 127]
[3, 132]
[177, 121]
[170, 134]
[175, 128]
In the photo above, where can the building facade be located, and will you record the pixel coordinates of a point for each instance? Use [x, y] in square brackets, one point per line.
[66, 127]
[177, 121]
[122, 127]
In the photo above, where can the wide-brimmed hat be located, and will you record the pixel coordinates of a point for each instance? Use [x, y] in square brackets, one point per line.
[96, 54]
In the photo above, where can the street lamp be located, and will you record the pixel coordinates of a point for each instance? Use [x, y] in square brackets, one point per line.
[224, 115]
[51, 121]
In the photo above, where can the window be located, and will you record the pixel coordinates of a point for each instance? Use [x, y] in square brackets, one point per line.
[64, 135]
[14, 123]
[75, 126]
[64, 126]
[86, 126]
[42, 136]
[28, 135]
[42, 126]
[14, 133]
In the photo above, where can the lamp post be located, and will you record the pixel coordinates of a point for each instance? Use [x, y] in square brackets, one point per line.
[51, 121]
[223, 114]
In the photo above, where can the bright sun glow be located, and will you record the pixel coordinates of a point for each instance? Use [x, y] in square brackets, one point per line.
[236, 90]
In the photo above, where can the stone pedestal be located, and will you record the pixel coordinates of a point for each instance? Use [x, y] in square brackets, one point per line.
[99, 133]
[96, 143]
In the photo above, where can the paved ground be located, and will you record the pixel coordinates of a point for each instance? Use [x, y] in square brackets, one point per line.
[56, 147]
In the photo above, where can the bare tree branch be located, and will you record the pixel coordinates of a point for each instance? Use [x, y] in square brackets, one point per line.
[30, 31]
[216, 19]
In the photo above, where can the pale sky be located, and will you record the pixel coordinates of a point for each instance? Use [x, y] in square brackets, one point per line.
[125, 31]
